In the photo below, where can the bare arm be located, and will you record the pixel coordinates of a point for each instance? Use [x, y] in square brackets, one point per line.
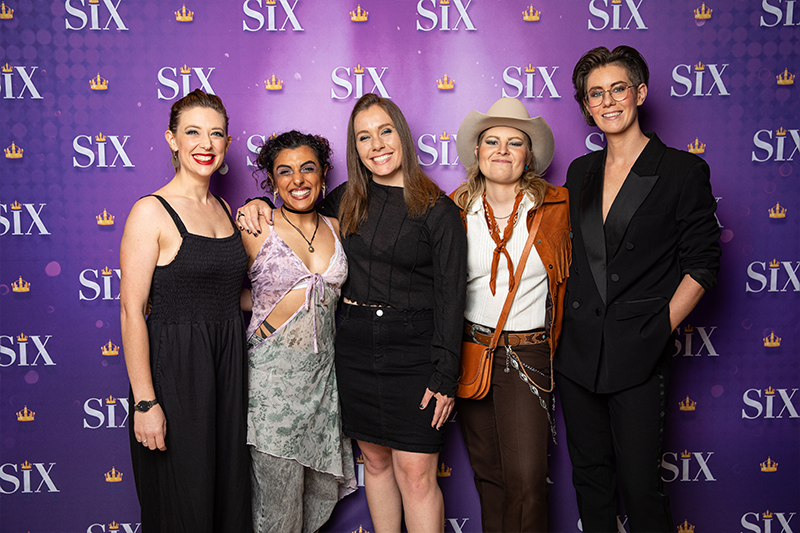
[684, 300]
[139, 252]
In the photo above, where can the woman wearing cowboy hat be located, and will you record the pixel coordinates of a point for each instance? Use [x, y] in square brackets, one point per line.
[505, 153]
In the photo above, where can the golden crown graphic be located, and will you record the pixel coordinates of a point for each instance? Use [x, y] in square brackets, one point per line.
[772, 341]
[106, 271]
[98, 83]
[699, 67]
[361, 530]
[13, 152]
[360, 459]
[785, 78]
[22, 338]
[767, 514]
[777, 212]
[273, 83]
[113, 476]
[94, 1]
[26, 465]
[696, 147]
[769, 391]
[100, 137]
[780, 132]
[686, 454]
[113, 526]
[16, 206]
[6, 12]
[444, 83]
[20, 285]
[444, 2]
[105, 219]
[688, 329]
[444, 471]
[530, 14]
[616, 1]
[184, 15]
[270, 2]
[358, 69]
[687, 404]
[185, 69]
[769, 465]
[686, 527]
[703, 12]
[530, 68]
[110, 348]
[26, 415]
[110, 400]
[7, 68]
[444, 136]
[359, 15]
[774, 263]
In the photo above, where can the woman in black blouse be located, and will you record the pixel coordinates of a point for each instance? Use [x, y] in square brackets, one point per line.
[399, 335]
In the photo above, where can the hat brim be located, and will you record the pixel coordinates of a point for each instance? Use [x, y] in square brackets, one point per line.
[536, 128]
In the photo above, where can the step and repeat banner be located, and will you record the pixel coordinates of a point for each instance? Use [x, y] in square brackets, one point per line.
[85, 92]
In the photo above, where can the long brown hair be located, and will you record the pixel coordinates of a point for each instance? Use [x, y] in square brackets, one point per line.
[419, 191]
[473, 189]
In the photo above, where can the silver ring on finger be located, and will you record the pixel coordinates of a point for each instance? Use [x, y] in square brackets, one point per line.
[144, 442]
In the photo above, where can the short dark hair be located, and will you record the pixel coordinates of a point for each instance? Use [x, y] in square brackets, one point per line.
[625, 56]
[290, 140]
[196, 98]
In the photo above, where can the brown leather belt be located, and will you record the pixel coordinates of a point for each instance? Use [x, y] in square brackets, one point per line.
[483, 335]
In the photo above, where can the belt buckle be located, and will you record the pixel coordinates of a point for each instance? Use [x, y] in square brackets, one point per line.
[480, 329]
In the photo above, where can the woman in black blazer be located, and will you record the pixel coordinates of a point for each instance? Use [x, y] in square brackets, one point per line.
[644, 251]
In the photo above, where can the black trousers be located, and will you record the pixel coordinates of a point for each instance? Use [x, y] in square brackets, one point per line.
[618, 436]
[506, 435]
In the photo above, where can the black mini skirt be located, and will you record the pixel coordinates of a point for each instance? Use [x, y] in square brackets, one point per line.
[383, 366]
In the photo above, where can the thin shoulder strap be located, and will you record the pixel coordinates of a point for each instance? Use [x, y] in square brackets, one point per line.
[233, 225]
[175, 218]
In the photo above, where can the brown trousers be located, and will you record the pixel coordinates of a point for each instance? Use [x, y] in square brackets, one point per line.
[506, 435]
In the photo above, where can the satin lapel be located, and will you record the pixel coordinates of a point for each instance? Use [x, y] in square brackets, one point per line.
[628, 200]
[591, 215]
[640, 181]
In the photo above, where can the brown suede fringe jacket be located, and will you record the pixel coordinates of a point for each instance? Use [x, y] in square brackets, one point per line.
[554, 246]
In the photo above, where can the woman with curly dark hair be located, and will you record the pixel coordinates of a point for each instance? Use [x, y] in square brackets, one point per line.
[302, 463]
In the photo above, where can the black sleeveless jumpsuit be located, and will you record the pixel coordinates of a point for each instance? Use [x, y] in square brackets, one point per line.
[201, 483]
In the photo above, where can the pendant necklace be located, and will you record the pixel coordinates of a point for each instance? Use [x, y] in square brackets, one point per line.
[310, 247]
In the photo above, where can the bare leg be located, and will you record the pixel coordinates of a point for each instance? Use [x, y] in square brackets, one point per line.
[422, 499]
[383, 493]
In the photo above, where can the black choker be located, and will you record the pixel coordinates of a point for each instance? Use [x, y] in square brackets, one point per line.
[298, 212]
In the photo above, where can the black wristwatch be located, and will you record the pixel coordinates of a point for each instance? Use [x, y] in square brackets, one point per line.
[144, 405]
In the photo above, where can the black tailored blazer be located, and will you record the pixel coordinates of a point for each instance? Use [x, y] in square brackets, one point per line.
[660, 227]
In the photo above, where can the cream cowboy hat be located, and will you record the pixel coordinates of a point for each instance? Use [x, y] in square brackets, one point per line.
[506, 112]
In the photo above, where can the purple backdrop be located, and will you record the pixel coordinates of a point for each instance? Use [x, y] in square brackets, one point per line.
[73, 153]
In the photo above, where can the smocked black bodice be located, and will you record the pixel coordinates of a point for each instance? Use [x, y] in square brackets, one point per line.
[203, 282]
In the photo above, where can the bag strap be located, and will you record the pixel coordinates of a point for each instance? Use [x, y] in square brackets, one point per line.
[537, 220]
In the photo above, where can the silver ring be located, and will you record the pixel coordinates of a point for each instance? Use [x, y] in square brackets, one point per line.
[144, 442]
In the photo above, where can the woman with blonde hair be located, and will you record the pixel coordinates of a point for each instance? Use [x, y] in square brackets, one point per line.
[505, 203]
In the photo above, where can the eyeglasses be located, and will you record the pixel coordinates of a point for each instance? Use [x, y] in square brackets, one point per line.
[618, 92]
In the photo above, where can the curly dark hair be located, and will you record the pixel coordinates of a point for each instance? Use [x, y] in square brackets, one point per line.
[626, 57]
[287, 141]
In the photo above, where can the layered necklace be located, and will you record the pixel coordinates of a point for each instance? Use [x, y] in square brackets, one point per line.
[310, 247]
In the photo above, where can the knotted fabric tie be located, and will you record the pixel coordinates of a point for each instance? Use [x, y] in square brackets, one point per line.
[500, 247]
[316, 285]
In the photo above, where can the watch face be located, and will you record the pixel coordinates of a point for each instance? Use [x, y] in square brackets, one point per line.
[143, 406]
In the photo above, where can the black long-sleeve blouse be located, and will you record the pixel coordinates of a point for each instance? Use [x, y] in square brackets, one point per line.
[411, 264]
